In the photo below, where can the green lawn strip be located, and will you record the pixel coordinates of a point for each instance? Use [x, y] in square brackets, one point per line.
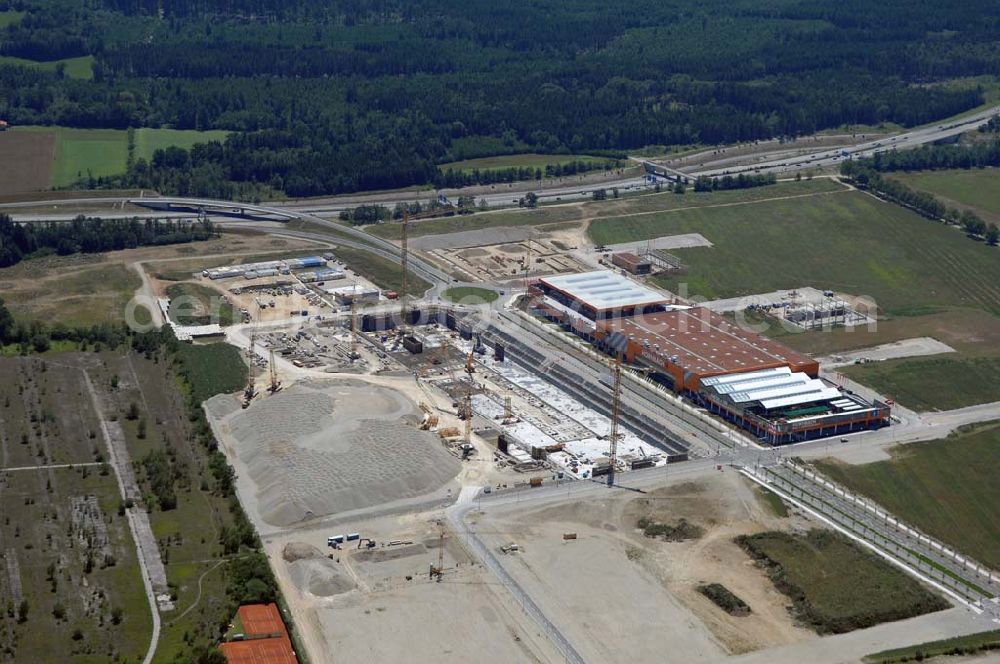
[470, 295]
[82, 153]
[772, 501]
[150, 139]
[932, 384]
[10, 17]
[970, 644]
[382, 272]
[633, 204]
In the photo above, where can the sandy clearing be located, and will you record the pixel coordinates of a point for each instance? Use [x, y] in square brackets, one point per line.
[376, 614]
[641, 592]
[915, 347]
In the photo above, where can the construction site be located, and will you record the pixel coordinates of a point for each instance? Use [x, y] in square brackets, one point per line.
[470, 387]
[368, 438]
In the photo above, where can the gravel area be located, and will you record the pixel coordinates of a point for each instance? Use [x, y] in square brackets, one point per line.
[325, 447]
[314, 573]
[478, 238]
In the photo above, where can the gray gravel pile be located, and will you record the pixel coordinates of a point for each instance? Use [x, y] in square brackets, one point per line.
[312, 572]
[323, 448]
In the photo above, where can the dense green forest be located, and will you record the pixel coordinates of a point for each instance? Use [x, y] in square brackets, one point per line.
[327, 96]
[93, 234]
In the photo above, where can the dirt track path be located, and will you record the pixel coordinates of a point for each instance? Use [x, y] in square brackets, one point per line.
[122, 469]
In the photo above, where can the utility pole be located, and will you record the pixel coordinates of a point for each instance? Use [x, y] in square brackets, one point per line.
[616, 395]
[527, 263]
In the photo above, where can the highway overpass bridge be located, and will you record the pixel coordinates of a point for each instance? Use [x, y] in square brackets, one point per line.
[661, 171]
[212, 207]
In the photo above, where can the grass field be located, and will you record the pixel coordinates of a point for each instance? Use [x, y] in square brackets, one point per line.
[10, 17]
[79, 68]
[933, 384]
[470, 295]
[380, 271]
[212, 368]
[529, 160]
[91, 293]
[975, 189]
[971, 644]
[632, 205]
[848, 242]
[104, 152]
[947, 488]
[188, 534]
[195, 304]
[814, 569]
[46, 539]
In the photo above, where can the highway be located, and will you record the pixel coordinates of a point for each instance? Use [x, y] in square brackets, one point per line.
[548, 192]
[833, 156]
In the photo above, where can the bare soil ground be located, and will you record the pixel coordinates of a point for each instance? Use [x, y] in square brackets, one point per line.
[380, 605]
[27, 163]
[614, 580]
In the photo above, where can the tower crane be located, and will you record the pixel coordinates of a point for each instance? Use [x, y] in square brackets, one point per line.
[616, 395]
